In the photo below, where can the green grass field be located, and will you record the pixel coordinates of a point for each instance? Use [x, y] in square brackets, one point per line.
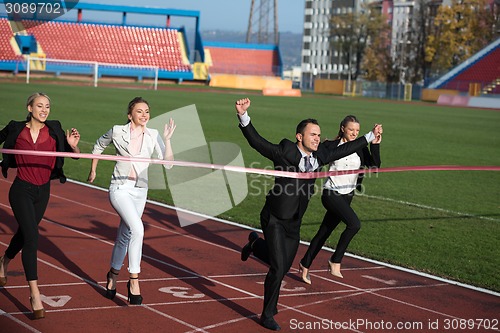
[446, 223]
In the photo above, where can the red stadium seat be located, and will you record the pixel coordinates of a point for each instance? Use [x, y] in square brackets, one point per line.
[243, 61]
[6, 50]
[102, 43]
[485, 71]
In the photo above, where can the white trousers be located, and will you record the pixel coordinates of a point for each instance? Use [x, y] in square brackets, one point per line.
[129, 202]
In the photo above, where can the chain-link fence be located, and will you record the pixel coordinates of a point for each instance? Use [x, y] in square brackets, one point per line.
[395, 91]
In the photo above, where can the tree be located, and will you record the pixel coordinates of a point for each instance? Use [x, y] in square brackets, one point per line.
[458, 32]
[364, 38]
[377, 63]
[420, 30]
[350, 32]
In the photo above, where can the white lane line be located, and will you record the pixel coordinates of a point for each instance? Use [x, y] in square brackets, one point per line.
[228, 286]
[407, 203]
[97, 285]
[19, 322]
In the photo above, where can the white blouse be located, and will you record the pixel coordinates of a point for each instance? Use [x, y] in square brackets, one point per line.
[344, 184]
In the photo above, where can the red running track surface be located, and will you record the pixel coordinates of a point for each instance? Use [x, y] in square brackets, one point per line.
[193, 280]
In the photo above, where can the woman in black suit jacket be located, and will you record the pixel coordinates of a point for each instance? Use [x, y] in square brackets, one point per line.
[337, 195]
[29, 193]
[287, 201]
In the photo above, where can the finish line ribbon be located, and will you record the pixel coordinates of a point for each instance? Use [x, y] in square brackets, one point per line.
[276, 173]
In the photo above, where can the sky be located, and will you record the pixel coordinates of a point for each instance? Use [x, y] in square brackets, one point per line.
[224, 14]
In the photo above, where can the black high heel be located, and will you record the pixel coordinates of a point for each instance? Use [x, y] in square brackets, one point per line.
[133, 299]
[110, 293]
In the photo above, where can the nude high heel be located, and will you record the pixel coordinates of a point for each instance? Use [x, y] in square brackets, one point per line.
[305, 274]
[37, 314]
[334, 269]
[3, 279]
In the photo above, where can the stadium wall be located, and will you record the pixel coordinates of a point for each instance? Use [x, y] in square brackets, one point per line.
[248, 82]
[466, 101]
[432, 95]
[329, 86]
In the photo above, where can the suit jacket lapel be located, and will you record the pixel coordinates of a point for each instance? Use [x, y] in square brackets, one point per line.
[125, 137]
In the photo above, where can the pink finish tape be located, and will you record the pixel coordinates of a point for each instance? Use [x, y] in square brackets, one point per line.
[298, 175]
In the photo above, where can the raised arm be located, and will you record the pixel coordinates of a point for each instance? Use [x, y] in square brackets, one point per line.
[72, 138]
[167, 135]
[371, 156]
[242, 106]
[256, 141]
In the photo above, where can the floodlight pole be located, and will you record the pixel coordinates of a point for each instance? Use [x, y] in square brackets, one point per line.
[28, 69]
[263, 9]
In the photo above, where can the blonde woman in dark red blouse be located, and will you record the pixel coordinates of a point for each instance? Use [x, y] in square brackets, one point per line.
[30, 191]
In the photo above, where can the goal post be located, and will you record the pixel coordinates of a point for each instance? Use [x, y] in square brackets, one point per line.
[408, 92]
[93, 69]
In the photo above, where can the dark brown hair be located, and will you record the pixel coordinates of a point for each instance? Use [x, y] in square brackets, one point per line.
[302, 125]
[343, 123]
[133, 102]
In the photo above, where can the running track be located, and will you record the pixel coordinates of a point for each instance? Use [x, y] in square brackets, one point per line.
[193, 280]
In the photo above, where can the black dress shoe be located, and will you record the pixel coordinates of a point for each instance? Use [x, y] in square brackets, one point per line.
[247, 249]
[270, 324]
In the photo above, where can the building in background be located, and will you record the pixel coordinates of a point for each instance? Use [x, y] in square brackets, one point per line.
[322, 55]
[316, 49]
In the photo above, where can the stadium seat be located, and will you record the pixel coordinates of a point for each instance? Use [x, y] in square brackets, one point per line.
[244, 61]
[6, 51]
[485, 71]
[107, 43]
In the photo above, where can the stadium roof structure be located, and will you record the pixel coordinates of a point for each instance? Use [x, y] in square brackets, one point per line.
[168, 12]
[138, 10]
[80, 8]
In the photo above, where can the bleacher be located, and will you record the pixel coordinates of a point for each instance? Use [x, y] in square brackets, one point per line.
[243, 59]
[483, 68]
[110, 44]
[101, 43]
[88, 49]
[7, 53]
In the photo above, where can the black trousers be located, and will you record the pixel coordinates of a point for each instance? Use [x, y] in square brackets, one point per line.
[28, 203]
[338, 208]
[277, 250]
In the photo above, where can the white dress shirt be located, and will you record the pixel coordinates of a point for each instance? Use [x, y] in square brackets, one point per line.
[344, 184]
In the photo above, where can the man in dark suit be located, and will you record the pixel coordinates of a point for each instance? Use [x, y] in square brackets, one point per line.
[287, 201]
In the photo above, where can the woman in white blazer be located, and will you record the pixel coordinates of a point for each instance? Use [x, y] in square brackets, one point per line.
[129, 187]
